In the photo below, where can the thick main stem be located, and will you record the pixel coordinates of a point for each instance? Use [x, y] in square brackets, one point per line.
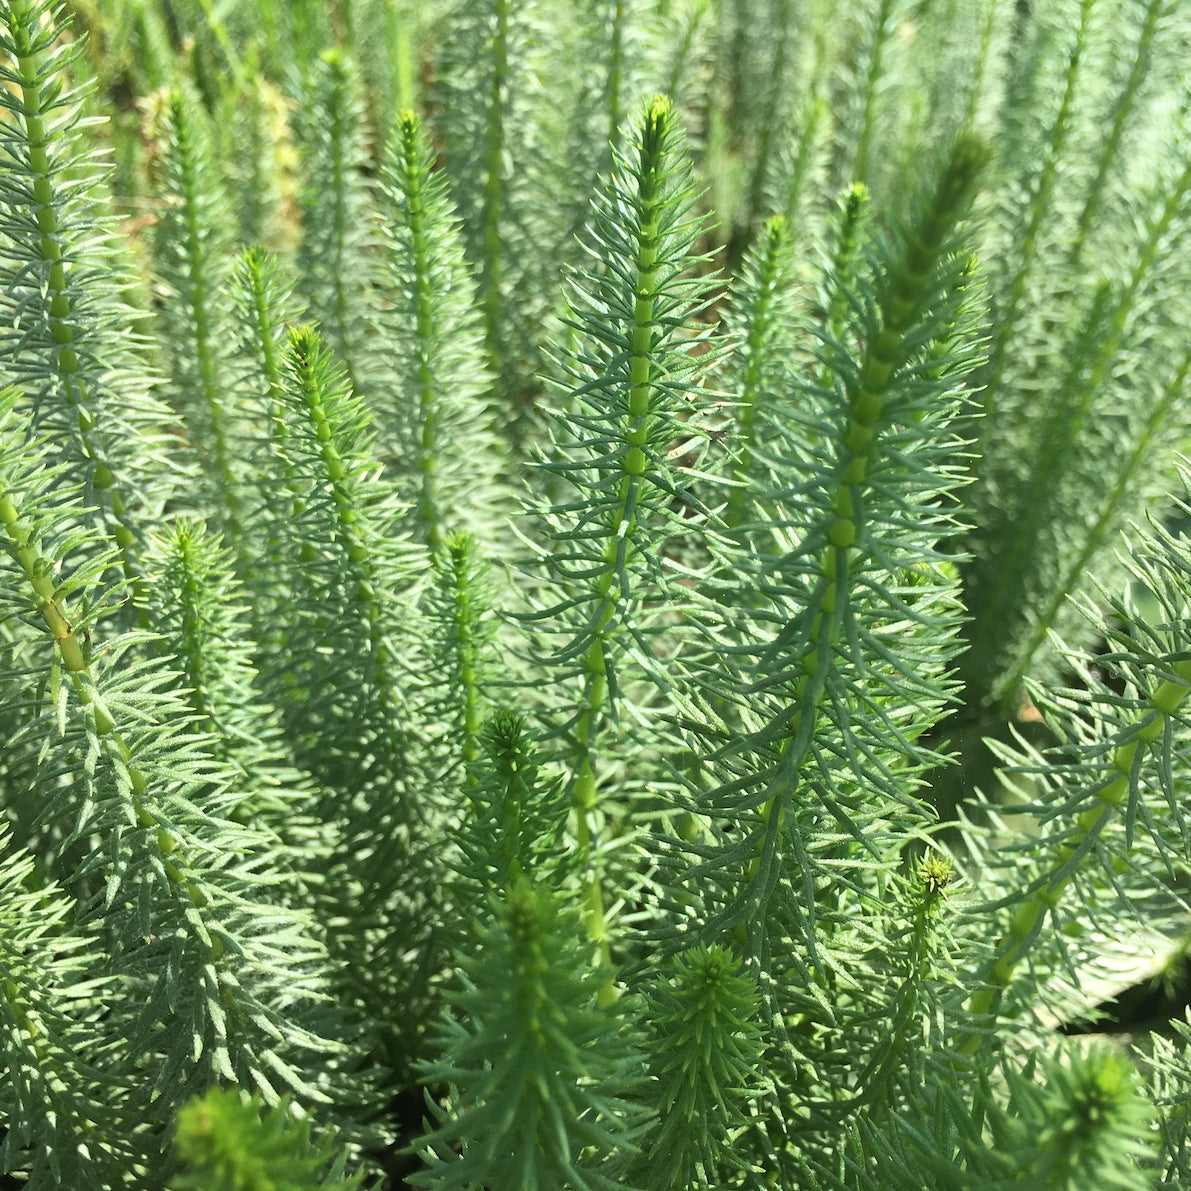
[634, 464]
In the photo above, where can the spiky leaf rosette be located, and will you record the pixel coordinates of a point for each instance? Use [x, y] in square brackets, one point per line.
[433, 405]
[1071, 1120]
[538, 1074]
[68, 335]
[217, 983]
[229, 1143]
[705, 1056]
[513, 824]
[1170, 1066]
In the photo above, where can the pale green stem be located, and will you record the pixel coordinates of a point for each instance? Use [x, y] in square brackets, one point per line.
[430, 514]
[756, 353]
[492, 214]
[75, 657]
[1029, 917]
[872, 79]
[616, 548]
[1108, 514]
[1064, 429]
[62, 327]
[196, 264]
[1027, 243]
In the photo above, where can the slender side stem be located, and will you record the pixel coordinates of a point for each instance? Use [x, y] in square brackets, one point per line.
[847, 241]
[338, 103]
[874, 1081]
[872, 79]
[192, 654]
[264, 324]
[1107, 515]
[309, 360]
[1027, 245]
[199, 297]
[772, 123]
[492, 211]
[430, 513]
[305, 353]
[460, 555]
[400, 57]
[616, 79]
[1122, 108]
[756, 355]
[983, 56]
[1061, 430]
[1027, 920]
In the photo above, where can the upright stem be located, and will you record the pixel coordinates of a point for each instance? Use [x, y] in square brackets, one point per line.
[73, 382]
[75, 657]
[492, 212]
[1027, 249]
[617, 549]
[430, 513]
[757, 354]
[199, 297]
[1027, 920]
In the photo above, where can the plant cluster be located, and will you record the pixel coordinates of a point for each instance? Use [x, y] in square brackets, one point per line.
[594, 595]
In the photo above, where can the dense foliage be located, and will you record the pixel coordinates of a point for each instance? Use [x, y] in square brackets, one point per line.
[594, 594]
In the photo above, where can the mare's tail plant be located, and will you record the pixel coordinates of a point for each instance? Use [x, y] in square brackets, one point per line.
[594, 596]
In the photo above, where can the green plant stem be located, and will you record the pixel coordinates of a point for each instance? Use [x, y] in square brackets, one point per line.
[60, 308]
[1009, 310]
[74, 655]
[340, 115]
[492, 211]
[1060, 431]
[976, 89]
[771, 123]
[860, 165]
[198, 296]
[634, 463]
[430, 512]
[884, 353]
[757, 357]
[616, 72]
[460, 553]
[1028, 917]
[1108, 513]
[1098, 191]
[263, 319]
[304, 349]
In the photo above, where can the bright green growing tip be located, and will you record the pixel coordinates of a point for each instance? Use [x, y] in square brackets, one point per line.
[660, 107]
